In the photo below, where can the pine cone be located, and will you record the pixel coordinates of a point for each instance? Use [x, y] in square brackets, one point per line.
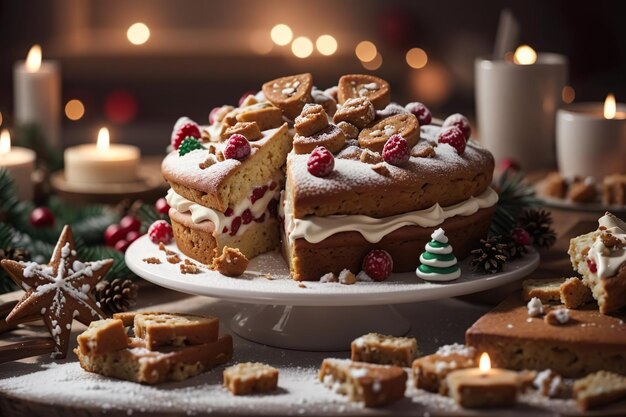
[116, 296]
[490, 257]
[513, 250]
[538, 225]
[15, 254]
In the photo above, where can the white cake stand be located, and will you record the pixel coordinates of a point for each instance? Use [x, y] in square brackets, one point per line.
[275, 310]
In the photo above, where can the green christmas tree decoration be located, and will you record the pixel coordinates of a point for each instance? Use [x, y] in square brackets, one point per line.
[438, 263]
[189, 144]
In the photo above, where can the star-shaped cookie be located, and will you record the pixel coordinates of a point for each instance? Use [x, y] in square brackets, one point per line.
[59, 291]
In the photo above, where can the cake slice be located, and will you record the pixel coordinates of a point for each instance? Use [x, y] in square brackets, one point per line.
[248, 378]
[589, 341]
[598, 389]
[373, 385]
[600, 257]
[138, 364]
[430, 372]
[167, 329]
[103, 336]
[384, 350]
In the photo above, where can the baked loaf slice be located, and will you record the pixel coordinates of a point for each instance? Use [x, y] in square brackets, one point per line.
[600, 257]
[588, 342]
[247, 378]
[373, 385]
[384, 350]
[430, 371]
[137, 363]
[598, 389]
[166, 329]
[103, 336]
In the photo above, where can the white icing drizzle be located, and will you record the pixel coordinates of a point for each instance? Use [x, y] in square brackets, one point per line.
[315, 229]
[535, 307]
[201, 213]
[608, 260]
[439, 235]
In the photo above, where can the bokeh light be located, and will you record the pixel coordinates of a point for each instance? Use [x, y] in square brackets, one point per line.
[74, 109]
[416, 58]
[260, 43]
[568, 94]
[138, 33]
[120, 106]
[433, 84]
[524, 55]
[326, 45]
[281, 34]
[374, 64]
[302, 47]
[0, 118]
[366, 51]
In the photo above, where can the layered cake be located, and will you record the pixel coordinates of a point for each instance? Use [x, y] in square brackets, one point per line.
[600, 258]
[360, 174]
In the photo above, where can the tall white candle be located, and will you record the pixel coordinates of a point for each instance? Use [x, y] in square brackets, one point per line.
[101, 162]
[516, 104]
[37, 86]
[20, 162]
[591, 139]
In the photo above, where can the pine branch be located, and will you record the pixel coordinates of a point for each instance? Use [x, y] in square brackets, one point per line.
[147, 214]
[515, 196]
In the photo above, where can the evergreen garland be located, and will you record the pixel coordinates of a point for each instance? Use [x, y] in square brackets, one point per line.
[515, 196]
[88, 224]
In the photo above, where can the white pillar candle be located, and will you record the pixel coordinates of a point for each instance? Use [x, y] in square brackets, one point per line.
[101, 163]
[20, 162]
[591, 139]
[37, 86]
[516, 104]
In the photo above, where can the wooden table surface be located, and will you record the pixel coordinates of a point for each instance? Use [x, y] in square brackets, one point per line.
[433, 324]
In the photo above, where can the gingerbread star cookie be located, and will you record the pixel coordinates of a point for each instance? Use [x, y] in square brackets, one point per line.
[59, 291]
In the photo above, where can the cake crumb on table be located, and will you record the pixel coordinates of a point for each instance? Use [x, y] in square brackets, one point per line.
[231, 262]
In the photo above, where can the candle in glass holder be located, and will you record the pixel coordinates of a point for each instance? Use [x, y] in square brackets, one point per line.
[37, 86]
[516, 104]
[102, 162]
[591, 139]
[484, 386]
[20, 162]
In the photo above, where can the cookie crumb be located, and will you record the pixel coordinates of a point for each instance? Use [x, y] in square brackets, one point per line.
[424, 152]
[535, 307]
[380, 168]
[152, 260]
[558, 316]
[346, 277]
[301, 285]
[329, 277]
[231, 262]
[186, 268]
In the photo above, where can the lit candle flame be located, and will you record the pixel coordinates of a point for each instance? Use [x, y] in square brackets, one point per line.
[525, 55]
[5, 142]
[33, 59]
[485, 363]
[103, 139]
[610, 107]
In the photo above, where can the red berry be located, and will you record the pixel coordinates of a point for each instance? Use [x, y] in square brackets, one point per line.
[113, 233]
[378, 264]
[161, 206]
[453, 136]
[396, 151]
[321, 162]
[245, 96]
[225, 229]
[132, 236]
[237, 147]
[160, 232]
[130, 223]
[212, 114]
[509, 163]
[258, 193]
[246, 216]
[273, 185]
[459, 121]
[419, 110]
[234, 226]
[41, 217]
[520, 236]
[186, 130]
[228, 212]
[122, 245]
[592, 266]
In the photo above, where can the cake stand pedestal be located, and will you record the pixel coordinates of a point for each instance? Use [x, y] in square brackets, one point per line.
[274, 310]
[315, 328]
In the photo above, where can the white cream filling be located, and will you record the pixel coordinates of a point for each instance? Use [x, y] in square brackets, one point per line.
[315, 229]
[200, 213]
[608, 260]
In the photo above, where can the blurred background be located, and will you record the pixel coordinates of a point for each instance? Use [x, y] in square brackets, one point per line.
[136, 66]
